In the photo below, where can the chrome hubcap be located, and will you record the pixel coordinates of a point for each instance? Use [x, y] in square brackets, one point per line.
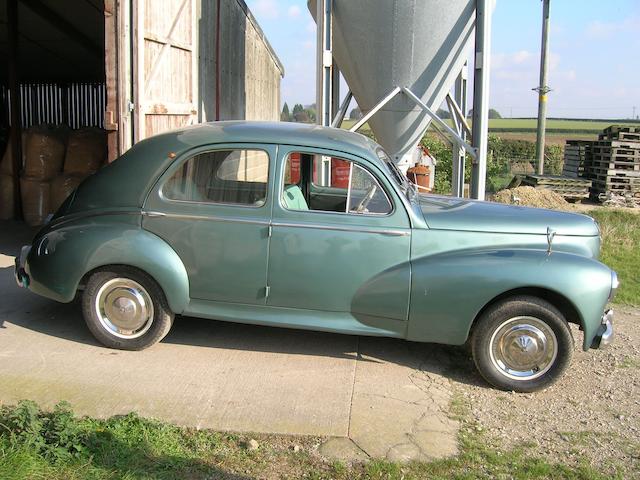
[523, 348]
[124, 308]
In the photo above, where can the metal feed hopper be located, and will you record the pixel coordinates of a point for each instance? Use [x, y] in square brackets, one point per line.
[419, 44]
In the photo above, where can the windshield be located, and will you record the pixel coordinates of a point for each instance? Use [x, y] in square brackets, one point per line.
[408, 188]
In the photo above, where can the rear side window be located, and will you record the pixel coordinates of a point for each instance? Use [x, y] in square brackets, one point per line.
[237, 177]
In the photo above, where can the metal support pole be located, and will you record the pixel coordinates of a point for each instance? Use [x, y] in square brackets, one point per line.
[480, 134]
[458, 154]
[335, 89]
[14, 94]
[542, 89]
[342, 110]
[324, 59]
[375, 109]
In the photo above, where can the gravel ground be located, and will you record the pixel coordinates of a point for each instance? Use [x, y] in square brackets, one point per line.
[591, 415]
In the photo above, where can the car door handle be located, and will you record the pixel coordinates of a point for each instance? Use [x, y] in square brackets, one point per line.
[154, 214]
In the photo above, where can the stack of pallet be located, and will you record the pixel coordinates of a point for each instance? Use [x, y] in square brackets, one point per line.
[572, 189]
[577, 158]
[615, 167]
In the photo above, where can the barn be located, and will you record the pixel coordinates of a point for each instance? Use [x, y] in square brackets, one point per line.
[89, 78]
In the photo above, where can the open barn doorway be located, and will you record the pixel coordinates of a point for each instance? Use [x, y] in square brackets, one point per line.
[52, 102]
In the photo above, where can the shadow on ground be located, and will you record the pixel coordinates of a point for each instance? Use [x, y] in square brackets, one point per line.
[27, 310]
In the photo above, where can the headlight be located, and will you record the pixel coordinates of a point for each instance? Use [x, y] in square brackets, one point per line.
[614, 285]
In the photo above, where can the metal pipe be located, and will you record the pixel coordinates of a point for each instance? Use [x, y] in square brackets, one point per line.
[373, 111]
[441, 124]
[459, 104]
[543, 89]
[480, 133]
[342, 111]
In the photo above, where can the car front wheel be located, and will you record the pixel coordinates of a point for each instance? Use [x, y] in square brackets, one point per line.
[522, 344]
[125, 309]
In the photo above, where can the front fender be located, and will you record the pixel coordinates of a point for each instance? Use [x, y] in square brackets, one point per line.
[449, 290]
[60, 257]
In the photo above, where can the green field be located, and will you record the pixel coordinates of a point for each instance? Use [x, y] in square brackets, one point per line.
[553, 125]
[557, 130]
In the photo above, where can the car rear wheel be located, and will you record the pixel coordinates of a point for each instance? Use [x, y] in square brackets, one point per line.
[522, 344]
[125, 309]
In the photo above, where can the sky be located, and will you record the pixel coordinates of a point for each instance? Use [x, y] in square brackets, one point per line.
[594, 61]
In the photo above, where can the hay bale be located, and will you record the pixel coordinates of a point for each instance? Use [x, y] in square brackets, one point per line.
[6, 197]
[86, 151]
[61, 188]
[531, 197]
[35, 194]
[6, 164]
[44, 152]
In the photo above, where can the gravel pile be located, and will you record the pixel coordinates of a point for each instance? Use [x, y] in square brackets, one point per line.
[531, 197]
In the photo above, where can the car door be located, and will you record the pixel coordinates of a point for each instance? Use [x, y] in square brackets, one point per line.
[322, 258]
[213, 207]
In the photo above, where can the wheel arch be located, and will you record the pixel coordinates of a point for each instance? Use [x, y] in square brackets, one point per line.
[559, 301]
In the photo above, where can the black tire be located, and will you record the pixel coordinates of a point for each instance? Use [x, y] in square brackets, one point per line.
[499, 322]
[156, 325]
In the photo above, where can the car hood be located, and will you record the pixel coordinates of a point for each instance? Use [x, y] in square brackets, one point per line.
[447, 213]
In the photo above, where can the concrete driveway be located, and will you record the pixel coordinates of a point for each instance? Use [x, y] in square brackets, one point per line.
[372, 397]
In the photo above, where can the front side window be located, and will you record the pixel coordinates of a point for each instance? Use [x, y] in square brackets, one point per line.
[223, 176]
[322, 183]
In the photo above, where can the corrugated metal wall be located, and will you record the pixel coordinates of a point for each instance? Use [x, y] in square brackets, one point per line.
[75, 104]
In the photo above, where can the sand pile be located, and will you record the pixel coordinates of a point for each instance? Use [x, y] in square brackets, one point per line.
[531, 197]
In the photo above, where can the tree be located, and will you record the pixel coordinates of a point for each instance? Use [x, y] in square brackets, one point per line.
[297, 108]
[285, 116]
[311, 112]
[301, 116]
[493, 113]
[355, 114]
[443, 114]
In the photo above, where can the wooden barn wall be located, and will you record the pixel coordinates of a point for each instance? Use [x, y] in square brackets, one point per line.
[262, 79]
[249, 75]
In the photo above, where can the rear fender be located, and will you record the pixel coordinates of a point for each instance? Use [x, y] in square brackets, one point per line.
[62, 256]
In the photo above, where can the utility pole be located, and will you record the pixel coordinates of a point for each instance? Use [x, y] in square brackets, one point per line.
[543, 88]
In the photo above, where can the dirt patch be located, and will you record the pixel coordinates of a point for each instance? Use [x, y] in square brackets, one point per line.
[531, 197]
[591, 415]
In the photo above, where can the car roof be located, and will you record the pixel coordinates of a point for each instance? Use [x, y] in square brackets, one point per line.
[126, 181]
[284, 133]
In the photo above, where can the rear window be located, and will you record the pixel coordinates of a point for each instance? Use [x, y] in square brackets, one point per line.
[236, 177]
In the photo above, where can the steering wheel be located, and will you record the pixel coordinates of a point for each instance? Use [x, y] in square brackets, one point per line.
[362, 206]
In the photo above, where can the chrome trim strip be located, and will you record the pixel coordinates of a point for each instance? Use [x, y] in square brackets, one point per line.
[390, 232]
[86, 214]
[213, 218]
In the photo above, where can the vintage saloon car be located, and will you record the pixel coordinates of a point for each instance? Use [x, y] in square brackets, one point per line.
[315, 228]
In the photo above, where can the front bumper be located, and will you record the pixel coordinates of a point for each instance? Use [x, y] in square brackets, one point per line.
[22, 279]
[605, 333]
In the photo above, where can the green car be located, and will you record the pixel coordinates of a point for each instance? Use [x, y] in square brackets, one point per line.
[315, 228]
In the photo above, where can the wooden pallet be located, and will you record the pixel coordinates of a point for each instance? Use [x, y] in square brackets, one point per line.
[617, 152]
[621, 128]
[616, 163]
[570, 187]
[620, 136]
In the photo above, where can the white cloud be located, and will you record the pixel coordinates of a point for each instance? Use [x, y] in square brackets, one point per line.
[265, 9]
[294, 11]
[600, 30]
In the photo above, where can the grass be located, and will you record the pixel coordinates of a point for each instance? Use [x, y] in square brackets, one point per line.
[621, 250]
[56, 445]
